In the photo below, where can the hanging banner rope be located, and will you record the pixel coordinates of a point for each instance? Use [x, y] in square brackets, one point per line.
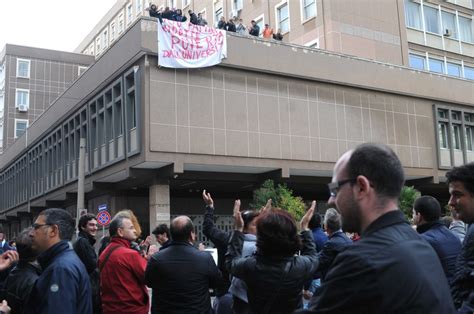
[185, 45]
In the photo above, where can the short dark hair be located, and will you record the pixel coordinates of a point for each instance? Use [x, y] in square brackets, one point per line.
[248, 216]
[332, 220]
[181, 232]
[380, 165]
[428, 207]
[23, 246]
[315, 221]
[63, 219]
[115, 224]
[277, 234]
[84, 220]
[160, 229]
[464, 174]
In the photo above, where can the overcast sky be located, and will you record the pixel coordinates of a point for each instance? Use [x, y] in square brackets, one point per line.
[51, 24]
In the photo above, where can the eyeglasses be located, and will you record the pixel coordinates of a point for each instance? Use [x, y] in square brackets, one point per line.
[335, 186]
[37, 226]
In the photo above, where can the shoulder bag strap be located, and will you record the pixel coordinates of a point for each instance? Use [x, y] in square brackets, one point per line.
[269, 304]
[106, 258]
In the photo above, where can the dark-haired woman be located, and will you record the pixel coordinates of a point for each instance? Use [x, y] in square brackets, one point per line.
[275, 275]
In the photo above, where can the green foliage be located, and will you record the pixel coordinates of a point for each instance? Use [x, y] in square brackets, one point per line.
[281, 196]
[407, 198]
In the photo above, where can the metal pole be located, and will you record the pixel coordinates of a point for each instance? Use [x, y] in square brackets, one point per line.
[80, 179]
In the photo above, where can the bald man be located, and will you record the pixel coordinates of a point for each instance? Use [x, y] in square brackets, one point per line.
[181, 275]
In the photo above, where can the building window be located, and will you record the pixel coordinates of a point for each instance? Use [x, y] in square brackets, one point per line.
[465, 29]
[217, 15]
[443, 135]
[23, 68]
[186, 3]
[129, 14]
[453, 69]
[469, 73]
[138, 7]
[112, 31]
[469, 138]
[238, 4]
[80, 70]
[313, 43]
[417, 62]
[431, 19]
[283, 18]
[260, 21]
[91, 49]
[105, 39]
[308, 8]
[456, 136]
[449, 24]
[22, 98]
[412, 14]
[436, 65]
[20, 127]
[97, 45]
[120, 23]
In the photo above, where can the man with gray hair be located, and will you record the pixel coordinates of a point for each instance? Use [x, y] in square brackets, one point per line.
[64, 286]
[338, 241]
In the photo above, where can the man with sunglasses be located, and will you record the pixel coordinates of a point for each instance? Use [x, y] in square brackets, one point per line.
[63, 286]
[391, 269]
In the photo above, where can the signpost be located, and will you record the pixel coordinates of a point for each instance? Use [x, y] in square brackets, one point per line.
[103, 217]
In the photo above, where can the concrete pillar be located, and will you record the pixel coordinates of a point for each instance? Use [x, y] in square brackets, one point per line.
[159, 198]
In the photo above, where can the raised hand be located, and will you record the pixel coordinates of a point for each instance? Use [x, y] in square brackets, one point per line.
[7, 259]
[238, 221]
[207, 198]
[267, 207]
[307, 217]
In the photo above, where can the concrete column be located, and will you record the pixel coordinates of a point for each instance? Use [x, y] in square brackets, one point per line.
[159, 198]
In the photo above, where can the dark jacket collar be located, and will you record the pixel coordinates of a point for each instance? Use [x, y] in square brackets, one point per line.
[391, 218]
[169, 243]
[427, 226]
[121, 241]
[87, 236]
[47, 257]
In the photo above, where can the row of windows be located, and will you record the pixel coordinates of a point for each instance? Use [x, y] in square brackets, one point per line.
[441, 22]
[455, 136]
[108, 122]
[441, 65]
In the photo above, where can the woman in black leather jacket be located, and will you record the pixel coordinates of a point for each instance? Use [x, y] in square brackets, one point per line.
[274, 275]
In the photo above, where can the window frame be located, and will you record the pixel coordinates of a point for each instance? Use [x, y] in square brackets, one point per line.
[18, 61]
[27, 97]
[278, 7]
[15, 129]
[305, 19]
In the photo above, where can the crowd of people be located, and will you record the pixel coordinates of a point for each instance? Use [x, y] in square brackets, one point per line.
[234, 24]
[268, 263]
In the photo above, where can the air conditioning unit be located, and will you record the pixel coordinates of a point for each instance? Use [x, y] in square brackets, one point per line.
[447, 32]
[22, 108]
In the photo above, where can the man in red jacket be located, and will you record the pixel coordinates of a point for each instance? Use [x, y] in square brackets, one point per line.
[122, 272]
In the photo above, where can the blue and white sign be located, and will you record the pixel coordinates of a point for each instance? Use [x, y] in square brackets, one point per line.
[102, 207]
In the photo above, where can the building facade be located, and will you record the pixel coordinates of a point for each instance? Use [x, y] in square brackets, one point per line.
[429, 35]
[157, 137]
[30, 80]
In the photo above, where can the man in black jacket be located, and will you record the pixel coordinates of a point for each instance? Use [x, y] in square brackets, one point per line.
[461, 188]
[426, 214]
[391, 269]
[84, 248]
[181, 275]
[21, 280]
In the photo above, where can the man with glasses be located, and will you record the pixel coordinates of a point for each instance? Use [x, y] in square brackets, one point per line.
[122, 271]
[63, 286]
[391, 269]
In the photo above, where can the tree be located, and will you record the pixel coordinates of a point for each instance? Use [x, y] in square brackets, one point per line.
[407, 198]
[281, 196]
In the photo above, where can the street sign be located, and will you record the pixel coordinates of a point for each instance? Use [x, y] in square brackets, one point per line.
[102, 207]
[103, 218]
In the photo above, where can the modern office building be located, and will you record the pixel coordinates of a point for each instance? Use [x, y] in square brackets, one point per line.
[30, 80]
[156, 137]
[433, 35]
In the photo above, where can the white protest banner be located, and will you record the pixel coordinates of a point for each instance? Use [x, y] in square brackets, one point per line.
[185, 45]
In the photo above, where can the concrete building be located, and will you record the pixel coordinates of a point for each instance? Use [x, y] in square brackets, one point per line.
[30, 80]
[430, 35]
[156, 137]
